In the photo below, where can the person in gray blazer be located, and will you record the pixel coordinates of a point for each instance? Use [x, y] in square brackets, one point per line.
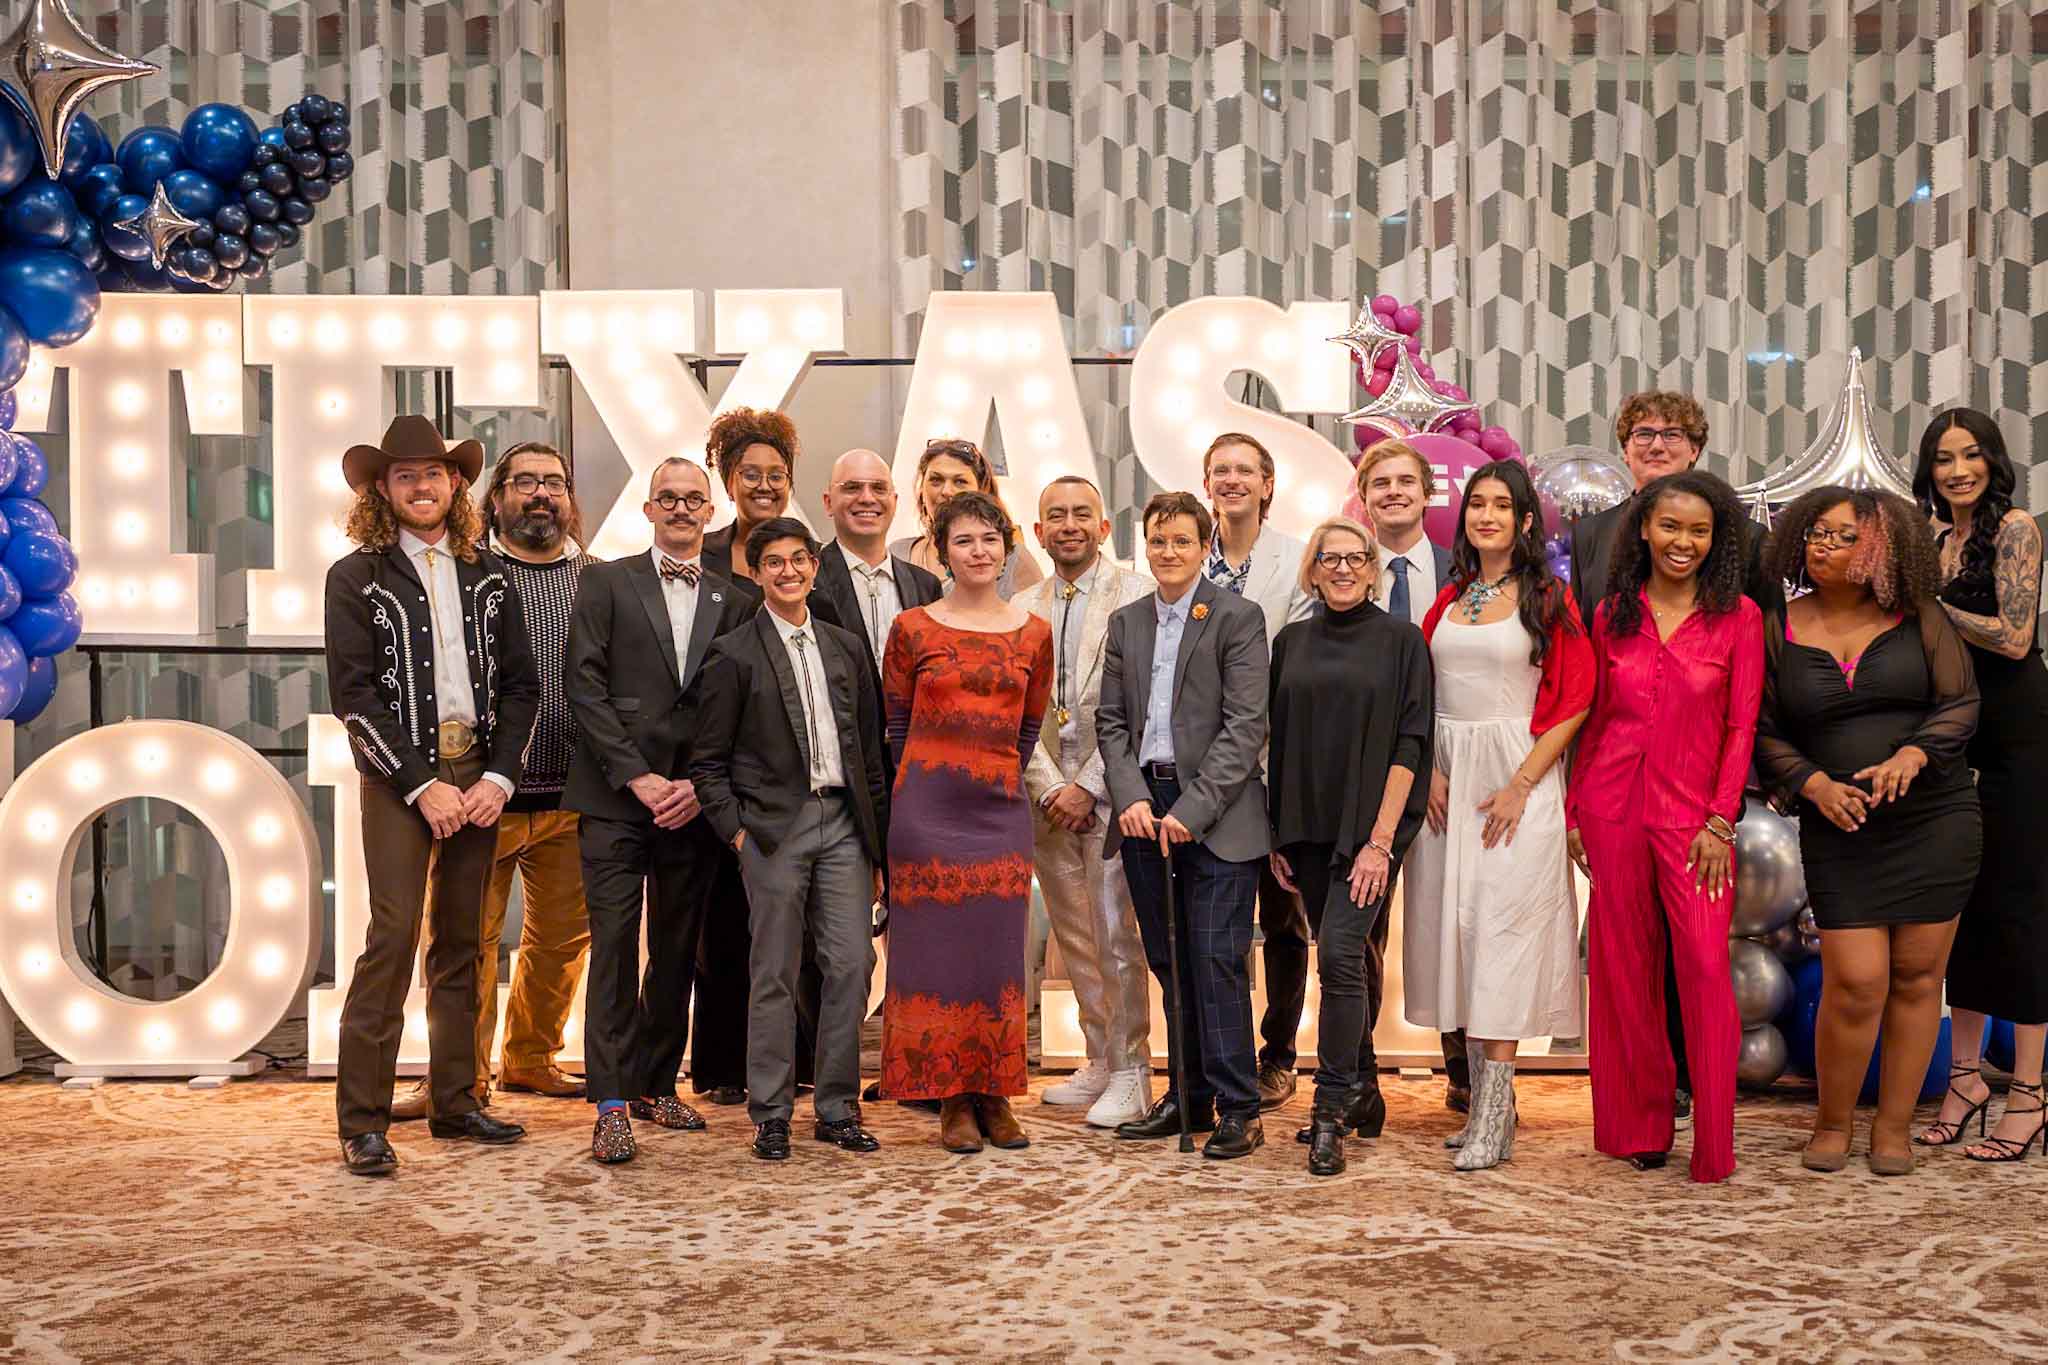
[1252, 558]
[1182, 724]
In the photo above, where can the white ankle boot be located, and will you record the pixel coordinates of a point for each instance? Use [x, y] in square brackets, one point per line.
[1128, 1097]
[1490, 1136]
[1083, 1087]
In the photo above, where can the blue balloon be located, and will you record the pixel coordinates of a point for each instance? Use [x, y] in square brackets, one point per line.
[53, 295]
[113, 277]
[1933, 1084]
[37, 692]
[147, 155]
[313, 189]
[31, 469]
[42, 562]
[232, 218]
[39, 213]
[85, 146]
[277, 178]
[13, 672]
[128, 243]
[308, 162]
[218, 139]
[295, 210]
[1797, 1022]
[97, 188]
[255, 268]
[332, 137]
[144, 276]
[6, 533]
[86, 245]
[287, 236]
[27, 516]
[194, 193]
[340, 166]
[265, 239]
[10, 593]
[21, 153]
[262, 205]
[189, 284]
[8, 409]
[47, 626]
[13, 362]
[1998, 1043]
[297, 136]
[231, 250]
[272, 137]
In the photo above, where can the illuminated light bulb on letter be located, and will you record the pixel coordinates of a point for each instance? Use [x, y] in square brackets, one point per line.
[42, 826]
[128, 399]
[267, 960]
[85, 775]
[387, 331]
[158, 1037]
[82, 1015]
[176, 331]
[451, 331]
[265, 829]
[502, 333]
[128, 332]
[225, 1014]
[218, 776]
[35, 962]
[277, 892]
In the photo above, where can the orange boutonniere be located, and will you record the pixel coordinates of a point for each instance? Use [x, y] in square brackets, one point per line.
[1200, 611]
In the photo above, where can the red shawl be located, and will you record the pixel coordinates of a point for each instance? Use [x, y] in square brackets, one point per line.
[1567, 685]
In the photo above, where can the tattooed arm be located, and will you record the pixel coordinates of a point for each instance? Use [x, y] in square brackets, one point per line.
[2017, 574]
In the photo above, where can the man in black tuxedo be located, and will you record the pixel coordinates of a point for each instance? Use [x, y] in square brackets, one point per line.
[641, 629]
[1660, 433]
[788, 763]
[860, 586]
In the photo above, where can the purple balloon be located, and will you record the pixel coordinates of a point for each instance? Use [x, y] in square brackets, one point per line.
[1385, 304]
[31, 468]
[13, 671]
[7, 412]
[10, 594]
[1408, 319]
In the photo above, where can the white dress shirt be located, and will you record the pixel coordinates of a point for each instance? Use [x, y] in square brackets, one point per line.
[1069, 623]
[814, 694]
[454, 697]
[875, 590]
[681, 598]
[1157, 744]
[1422, 584]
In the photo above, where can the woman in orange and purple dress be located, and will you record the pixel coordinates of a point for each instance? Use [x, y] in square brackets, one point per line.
[965, 681]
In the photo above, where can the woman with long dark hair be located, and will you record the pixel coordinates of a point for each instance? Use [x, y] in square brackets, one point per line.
[1991, 567]
[1492, 929]
[1655, 794]
[1868, 704]
[948, 467]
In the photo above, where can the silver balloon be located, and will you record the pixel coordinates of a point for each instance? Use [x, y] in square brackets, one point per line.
[1411, 398]
[160, 224]
[1762, 985]
[1579, 481]
[1786, 942]
[1761, 1059]
[52, 65]
[1809, 929]
[1770, 881]
[1846, 452]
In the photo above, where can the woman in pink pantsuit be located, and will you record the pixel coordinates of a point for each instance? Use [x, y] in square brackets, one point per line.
[1655, 793]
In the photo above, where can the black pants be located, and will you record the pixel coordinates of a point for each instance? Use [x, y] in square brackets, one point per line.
[636, 1028]
[1674, 1022]
[1350, 967]
[1283, 952]
[718, 1054]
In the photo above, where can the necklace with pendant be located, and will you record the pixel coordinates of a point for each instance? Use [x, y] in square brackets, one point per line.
[1479, 596]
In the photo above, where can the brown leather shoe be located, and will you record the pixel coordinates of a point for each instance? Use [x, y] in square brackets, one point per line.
[549, 1080]
[1276, 1085]
[408, 1105]
[958, 1132]
[992, 1113]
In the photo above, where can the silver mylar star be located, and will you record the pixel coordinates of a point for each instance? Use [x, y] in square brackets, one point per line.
[1367, 334]
[160, 224]
[1411, 398]
[1847, 452]
[51, 65]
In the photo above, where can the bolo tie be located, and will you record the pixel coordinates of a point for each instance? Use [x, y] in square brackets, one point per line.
[1067, 591]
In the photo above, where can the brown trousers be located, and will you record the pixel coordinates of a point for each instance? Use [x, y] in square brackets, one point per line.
[404, 861]
[539, 847]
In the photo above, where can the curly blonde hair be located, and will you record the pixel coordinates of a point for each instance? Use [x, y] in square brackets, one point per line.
[373, 523]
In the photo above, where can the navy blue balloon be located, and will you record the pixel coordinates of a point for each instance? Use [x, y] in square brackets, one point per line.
[39, 213]
[46, 626]
[203, 235]
[287, 235]
[194, 193]
[26, 515]
[85, 146]
[186, 284]
[21, 155]
[297, 136]
[277, 178]
[8, 410]
[194, 261]
[255, 268]
[98, 187]
[314, 190]
[272, 138]
[340, 167]
[85, 244]
[10, 456]
[13, 672]
[231, 250]
[232, 218]
[265, 239]
[248, 180]
[113, 277]
[308, 162]
[43, 563]
[265, 154]
[53, 295]
[127, 243]
[218, 139]
[313, 107]
[332, 137]
[144, 276]
[147, 155]
[13, 365]
[37, 692]
[295, 210]
[262, 205]
[10, 594]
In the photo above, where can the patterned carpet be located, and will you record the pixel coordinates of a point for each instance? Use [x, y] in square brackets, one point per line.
[148, 1221]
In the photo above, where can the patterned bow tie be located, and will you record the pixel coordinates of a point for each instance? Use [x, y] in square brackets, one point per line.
[676, 568]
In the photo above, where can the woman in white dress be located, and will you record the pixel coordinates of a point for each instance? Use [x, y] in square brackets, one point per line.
[1491, 938]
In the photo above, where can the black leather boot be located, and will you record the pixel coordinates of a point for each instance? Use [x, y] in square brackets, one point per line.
[1325, 1144]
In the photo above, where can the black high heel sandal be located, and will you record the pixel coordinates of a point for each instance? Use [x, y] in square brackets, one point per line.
[2006, 1149]
[1932, 1134]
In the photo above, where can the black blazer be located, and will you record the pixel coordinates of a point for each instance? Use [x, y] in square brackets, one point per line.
[750, 755]
[380, 665]
[619, 672]
[1593, 541]
[837, 600]
[718, 550]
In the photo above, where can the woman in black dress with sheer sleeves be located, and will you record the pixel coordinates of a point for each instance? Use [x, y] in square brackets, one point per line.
[1869, 703]
[1991, 559]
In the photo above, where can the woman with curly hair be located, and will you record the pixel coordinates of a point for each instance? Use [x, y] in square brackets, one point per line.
[1869, 703]
[754, 451]
[1492, 930]
[1991, 559]
[1655, 794]
[949, 467]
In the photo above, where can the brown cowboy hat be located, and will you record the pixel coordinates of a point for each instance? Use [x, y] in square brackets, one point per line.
[409, 438]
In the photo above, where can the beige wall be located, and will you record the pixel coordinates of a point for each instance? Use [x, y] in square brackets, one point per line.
[736, 144]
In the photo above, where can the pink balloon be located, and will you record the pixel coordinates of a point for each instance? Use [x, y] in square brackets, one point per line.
[1414, 345]
[1386, 359]
[1354, 508]
[1466, 423]
[1377, 385]
[1408, 318]
[1378, 429]
[1454, 460]
[1453, 391]
[1496, 443]
[1385, 303]
[1422, 367]
[1495, 431]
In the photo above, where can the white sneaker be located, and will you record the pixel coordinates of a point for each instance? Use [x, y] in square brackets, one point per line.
[1083, 1087]
[1128, 1097]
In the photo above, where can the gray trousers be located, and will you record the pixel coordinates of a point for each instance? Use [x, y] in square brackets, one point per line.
[818, 879]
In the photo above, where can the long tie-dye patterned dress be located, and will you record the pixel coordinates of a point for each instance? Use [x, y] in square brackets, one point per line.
[964, 707]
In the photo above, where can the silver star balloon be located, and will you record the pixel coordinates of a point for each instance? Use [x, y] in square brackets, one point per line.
[51, 65]
[1846, 452]
[1411, 398]
[160, 224]
[1367, 335]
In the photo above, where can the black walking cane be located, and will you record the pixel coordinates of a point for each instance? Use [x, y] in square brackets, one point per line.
[1176, 1045]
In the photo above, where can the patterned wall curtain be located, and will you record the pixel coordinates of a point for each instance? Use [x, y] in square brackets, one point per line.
[1592, 196]
[456, 110]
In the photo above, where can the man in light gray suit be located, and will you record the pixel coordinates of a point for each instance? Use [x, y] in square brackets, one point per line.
[1182, 724]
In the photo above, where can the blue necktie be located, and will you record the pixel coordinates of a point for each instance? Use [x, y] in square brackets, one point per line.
[1397, 596]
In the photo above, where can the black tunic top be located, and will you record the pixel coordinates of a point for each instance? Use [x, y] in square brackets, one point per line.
[1352, 695]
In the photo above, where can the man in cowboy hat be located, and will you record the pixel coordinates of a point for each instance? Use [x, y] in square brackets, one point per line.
[432, 677]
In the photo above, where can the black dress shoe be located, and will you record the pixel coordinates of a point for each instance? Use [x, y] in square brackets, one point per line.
[873, 1094]
[1235, 1136]
[1163, 1121]
[846, 1134]
[1326, 1146]
[1276, 1085]
[368, 1154]
[475, 1126]
[1649, 1161]
[726, 1095]
[771, 1140]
